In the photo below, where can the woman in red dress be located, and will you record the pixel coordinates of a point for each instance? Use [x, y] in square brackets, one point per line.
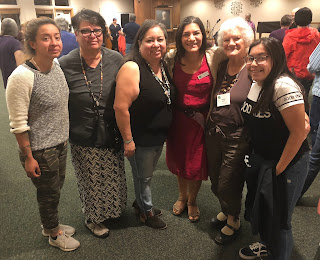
[193, 71]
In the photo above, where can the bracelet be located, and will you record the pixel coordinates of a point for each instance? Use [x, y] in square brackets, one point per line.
[129, 141]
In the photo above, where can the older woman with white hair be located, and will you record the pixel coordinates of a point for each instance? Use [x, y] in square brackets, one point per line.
[69, 41]
[226, 140]
[11, 54]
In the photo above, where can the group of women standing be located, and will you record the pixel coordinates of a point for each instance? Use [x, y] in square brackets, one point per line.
[191, 97]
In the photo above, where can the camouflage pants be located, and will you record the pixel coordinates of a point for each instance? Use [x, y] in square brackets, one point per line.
[52, 163]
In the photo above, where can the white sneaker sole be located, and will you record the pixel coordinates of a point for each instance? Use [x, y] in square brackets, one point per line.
[61, 248]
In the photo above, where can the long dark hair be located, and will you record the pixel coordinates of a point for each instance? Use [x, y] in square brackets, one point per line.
[134, 54]
[279, 68]
[188, 20]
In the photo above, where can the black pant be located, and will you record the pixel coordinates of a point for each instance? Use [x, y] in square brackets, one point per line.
[307, 83]
[115, 44]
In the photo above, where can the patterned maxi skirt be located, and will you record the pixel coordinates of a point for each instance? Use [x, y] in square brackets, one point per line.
[101, 182]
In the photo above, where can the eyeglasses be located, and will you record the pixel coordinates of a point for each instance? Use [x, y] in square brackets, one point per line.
[87, 32]
[259, 60]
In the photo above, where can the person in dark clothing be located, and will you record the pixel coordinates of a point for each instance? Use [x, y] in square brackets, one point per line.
[114, 30]
[143, 110]
[90, 71]
[11, 54]
[69, 41]
[285, 23]
[130, 30]
[274, 113]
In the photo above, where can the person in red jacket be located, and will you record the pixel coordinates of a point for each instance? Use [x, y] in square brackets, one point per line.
[298, 45]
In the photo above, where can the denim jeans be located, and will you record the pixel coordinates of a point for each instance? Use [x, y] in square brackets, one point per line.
[314, 163]
[314, 117]
[296, 176]
[128, 47]
[143, 163]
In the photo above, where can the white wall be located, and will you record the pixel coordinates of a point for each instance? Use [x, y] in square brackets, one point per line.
[114, 9]
[27, 10]
[269, 10]
[108, 9]
[77, 5]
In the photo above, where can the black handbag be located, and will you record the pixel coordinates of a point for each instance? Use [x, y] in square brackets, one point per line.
[106, 132]
[112, 133]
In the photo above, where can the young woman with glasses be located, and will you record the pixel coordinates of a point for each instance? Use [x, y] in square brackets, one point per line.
[274, 113]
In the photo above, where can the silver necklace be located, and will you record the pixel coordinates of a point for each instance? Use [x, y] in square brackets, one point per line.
[164, 84]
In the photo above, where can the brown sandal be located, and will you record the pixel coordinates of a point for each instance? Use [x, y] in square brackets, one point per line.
[177, 211]
[193, 216]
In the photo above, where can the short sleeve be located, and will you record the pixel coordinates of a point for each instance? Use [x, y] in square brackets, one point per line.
[16, 46]
[287, 93]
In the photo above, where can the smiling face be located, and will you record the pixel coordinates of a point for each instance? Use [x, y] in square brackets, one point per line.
[153, 45]
[233, 44]
[191, 38]
[259, 72]
[91, 42]
[47, 44]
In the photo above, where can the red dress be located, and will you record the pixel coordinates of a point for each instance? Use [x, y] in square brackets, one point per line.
[186, 154]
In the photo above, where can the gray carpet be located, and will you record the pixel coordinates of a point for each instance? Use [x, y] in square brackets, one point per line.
[20, 232]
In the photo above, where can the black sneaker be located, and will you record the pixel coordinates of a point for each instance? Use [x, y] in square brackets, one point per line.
[253, 251]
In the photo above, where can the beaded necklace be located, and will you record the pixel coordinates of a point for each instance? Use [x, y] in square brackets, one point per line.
[164, 84]
[88, 83]
[225, 87]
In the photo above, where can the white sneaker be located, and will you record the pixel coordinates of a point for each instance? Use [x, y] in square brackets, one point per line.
[65, 228]
[98, 230]
[64, 242]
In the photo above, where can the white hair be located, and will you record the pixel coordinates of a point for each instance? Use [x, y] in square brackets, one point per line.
[236, 23]
[9, 27]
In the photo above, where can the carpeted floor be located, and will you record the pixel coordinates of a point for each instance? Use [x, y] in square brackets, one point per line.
[20, 232]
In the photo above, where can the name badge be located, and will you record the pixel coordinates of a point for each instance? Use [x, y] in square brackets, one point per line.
[203, 75]
[223, 100]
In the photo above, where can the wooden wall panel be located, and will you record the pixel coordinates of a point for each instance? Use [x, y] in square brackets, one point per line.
[145, 9]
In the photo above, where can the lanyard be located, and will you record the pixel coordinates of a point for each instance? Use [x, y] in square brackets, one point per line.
[88, 83]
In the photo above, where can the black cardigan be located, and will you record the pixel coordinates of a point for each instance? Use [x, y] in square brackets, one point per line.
[81, 111]
[266, 201]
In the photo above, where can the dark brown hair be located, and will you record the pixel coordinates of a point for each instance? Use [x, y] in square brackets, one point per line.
[279, 68]
[31, 31]
[189, 20]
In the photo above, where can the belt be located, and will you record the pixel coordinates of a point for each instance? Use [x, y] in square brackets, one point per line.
[190, 111]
